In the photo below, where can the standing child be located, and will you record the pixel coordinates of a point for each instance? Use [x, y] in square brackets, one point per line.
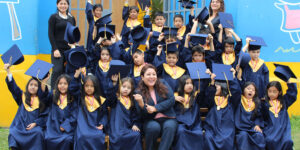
[26, 130]
[92, 113]
[61, 121]
[189, 132]
[124, 131]
[277, 129]
[249, 121]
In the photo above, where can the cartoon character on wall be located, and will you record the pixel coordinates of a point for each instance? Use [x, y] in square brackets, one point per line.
[290, 18]
[15, 26]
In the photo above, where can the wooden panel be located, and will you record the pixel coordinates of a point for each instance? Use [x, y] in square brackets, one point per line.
[82, 27]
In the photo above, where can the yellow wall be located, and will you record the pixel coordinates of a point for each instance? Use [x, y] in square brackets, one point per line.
[8, 106]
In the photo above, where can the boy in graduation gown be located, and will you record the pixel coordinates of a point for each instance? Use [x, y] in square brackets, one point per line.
[255, 70]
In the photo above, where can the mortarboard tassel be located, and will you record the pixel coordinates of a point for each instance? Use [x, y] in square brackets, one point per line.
[37, 76]
[199, 80]
[105, 37]
[227, 84]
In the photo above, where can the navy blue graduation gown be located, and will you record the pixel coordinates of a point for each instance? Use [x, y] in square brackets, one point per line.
[260, 78]
[104, 80]
[65, 118]
[121, 135]
[277, 131]
[189, 131]
[219, 124]
[90, 45]
[87, 136]
[19, 137]
[247, 137]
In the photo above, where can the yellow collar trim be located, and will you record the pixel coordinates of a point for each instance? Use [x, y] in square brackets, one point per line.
[125, 101]
[256, 65]
[132, 23]
[95, 18]
[275, 107]
[181, 31]
[104, 66]
[248, 105]
[187, 99]
[62, 105]
[175, 72]
[228, 59]
[137, 70]
[221, 102]
[35, 103]
[92, 104]
[156, 28]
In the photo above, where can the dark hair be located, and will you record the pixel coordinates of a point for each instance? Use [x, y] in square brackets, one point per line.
[57, 1]
[137, 51]
[222, 7]
[105, 48]
[277, 85]
[198, 49]
[229, 40]
[159, 86]
[28, 95]
[56, 92]
[255, 99]
[204, 30]
[224, 88]
[97, 89]
[180, 90]
[174, 52]
[131, 82]
[133, 8]
[178, 16]
[159, 13]
[97, 6]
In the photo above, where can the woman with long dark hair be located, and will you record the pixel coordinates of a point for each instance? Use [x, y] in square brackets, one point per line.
[56, 30]
[154, 101]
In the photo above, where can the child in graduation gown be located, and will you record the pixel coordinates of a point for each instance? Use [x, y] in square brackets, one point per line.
[189, 131]
[249, 120]
[26, 130]
[92, 113]
[277, 129]
[124, 129]
[255, 70]
[168, 71]
[61, 121]
[219, 123]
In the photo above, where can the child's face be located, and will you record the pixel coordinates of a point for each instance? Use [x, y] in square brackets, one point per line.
[105, 55]
[159, 21]
[178, 22]
[249, 91]
[171, 59]
[138, 59]
[133, 14]
[215, 4]
[254, 54]
[273, 93]
[98, 12]
[62, 86]
[126, 88]
[198, 57]
[218, 90]
[89, 87]
[169, 40]
[188, 87]
[229, 48]
[33, 87]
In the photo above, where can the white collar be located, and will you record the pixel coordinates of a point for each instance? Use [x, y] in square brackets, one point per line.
[62, 16]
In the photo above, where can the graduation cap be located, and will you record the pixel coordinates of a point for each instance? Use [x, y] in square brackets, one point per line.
[72, 34]
[256, 43]
[144, 3]
[171, 47]
[203, 15]
[104, 20]
[229, 40]
[13, 56]
[140, 34]
[226, 20]
[196, 39]
[244, 59]
[39, 69]
[222, 72]
[188, 4]
[197, 70]
[76, 58]
[118, 67]
[284, 72]
[170, 32]
[107, 31]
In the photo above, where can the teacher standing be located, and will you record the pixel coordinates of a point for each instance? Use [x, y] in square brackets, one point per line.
[56, 30]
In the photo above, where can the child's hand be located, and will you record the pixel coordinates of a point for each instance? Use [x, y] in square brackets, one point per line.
[248, 40]
[208, 71]
[210, 38]
[179, 37]
[62, 129]
[100, 127]
[150, 109]
[161, 37]
[56, 53]
[220, 26]
[159, 48]
[72, 45]
[257, 129]
[46, 79]
[77, 72]
[6, 68]
[135, 128]
[195, 21]
[212, 76]
[100, 40]
[126, 2]
[208, 22]
[113, 39]
[118, 36]
[233, 71]
[30, 126]
[114, 79]
[147, 10]
[89, 1]
[179, 99]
